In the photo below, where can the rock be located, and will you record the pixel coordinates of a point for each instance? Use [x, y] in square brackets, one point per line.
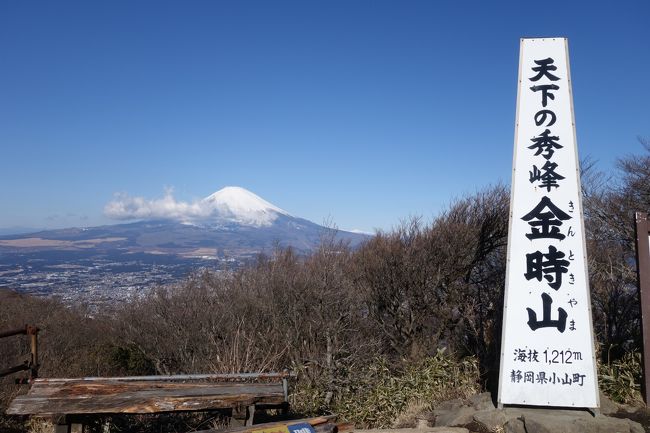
[604, 424]
[448, 430]
[482, 401]
[546, 424]
[515, 425]
[490, 420]
[451, 404]
[455, 418]
[421, 423]
[635, 427]
[607, 406]
[629, 408]
[479, 413]
[576, 423]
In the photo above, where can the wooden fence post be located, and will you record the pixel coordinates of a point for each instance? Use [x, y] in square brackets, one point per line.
[643, 277]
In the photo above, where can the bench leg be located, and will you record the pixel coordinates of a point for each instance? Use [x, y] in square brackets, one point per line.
[76, 428]
[250, 414]
[62, 428]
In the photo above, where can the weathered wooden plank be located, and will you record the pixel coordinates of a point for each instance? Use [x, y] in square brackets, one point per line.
[47, 398]
[72, 389]
[91, 405]
[179, 377]
[157, 394]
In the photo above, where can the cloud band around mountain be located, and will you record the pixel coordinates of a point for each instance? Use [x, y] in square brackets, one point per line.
[126, 207]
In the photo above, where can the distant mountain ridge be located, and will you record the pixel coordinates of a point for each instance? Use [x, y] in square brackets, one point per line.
[231, 222]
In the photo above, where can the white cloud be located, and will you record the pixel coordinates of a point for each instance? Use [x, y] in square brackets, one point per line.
[125, 207]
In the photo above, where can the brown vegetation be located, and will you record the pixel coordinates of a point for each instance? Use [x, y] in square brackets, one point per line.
[610, 204]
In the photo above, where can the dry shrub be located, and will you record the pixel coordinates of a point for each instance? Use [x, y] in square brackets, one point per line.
[382, 394]
[610, 203]
[39, 425]
[71, 342]
[439, 285]
[621, 379]
[409, 416]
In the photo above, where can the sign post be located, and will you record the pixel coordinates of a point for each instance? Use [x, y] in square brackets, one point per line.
[643, 276]
[547, 347]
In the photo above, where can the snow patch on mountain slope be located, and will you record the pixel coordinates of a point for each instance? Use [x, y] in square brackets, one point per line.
[242, 206]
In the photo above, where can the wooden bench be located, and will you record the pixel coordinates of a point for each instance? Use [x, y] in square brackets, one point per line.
[69, 400]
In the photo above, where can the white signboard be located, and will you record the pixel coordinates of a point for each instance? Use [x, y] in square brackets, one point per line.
[547, 356]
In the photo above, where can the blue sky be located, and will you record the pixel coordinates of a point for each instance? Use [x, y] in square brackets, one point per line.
[364, 112]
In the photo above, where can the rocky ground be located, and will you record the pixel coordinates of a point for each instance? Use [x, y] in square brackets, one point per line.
[479, 415]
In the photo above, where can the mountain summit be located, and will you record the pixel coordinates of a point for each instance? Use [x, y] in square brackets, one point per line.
[239, 205]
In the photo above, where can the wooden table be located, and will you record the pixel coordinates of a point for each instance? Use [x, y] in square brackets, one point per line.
[70, 398]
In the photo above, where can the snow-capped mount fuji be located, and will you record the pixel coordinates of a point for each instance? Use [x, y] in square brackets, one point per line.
[230, 223]
[240, 206]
